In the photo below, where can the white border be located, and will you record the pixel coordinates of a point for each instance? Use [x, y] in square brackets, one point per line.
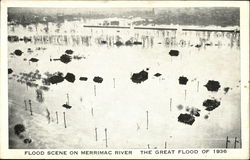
[244, 40]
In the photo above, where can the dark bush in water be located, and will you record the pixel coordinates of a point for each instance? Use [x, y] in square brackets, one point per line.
[19, 128]
[128, 43]
[211, 104]
[183, 80]
[118, 43]
[186, 118]
[212, 85]
[26, 39]
[70, 77]
[139, 77]
[83, 78]
[27, 140]
[98, 79]
[13, 38]
[34, 60]
[226, 89]
[69, 51]
[65, 58]
[30, 84]
[18, 52]
[10, 71]
[173, 52]
[157, 75]
[56, 79]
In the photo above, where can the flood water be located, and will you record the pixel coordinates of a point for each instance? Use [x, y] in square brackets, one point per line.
[136, 115]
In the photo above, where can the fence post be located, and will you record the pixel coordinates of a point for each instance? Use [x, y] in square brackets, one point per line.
[106, 137]
[25, 105]
[64, 120]
[170, 104]
[227, 141]
[95, 90]
[198, 86]
[30, 107]
[56, 117]
[147, 119]
[95, 134]
[114, 82]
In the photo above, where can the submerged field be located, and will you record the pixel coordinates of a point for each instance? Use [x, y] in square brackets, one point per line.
[134, 115]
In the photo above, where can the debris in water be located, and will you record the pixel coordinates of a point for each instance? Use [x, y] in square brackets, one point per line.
[137, 43]
[118, 43]
[208, 44]
[212, 85]
[183, 80]
[98, 79]
[186, 118]
[67, 106]
[69, 51]
[10, 70]
[65, 58]
[18, 52]
[39, 95]
[29, 50]
[78, 57]
[174, 52]
[180, 107]
[226, 89]
[70, 77]
[34, 60]
[211, 104]
[83, 78]
[19, 128]
[27, 140]
[103, 42]
[195, 112]
[206, 117]
[128, 43]
[139, 77]
[198, 46]
[157, 75]
[45, 88]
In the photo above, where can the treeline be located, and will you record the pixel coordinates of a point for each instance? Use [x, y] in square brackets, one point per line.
[200, 16]
[181, 16]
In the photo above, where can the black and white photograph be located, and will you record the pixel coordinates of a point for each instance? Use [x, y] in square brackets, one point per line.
[136, 77]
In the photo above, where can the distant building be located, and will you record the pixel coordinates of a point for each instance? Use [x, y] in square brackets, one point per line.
[60, 18]
[105, 23]
[114, 23]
